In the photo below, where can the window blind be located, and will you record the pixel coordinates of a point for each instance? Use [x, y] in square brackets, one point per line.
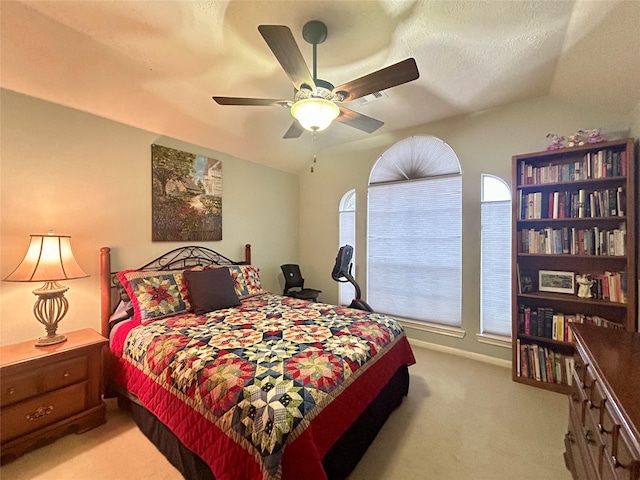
[414, 249]
[495, 291]
[348, 237]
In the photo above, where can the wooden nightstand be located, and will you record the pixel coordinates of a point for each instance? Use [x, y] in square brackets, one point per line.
[48, 392]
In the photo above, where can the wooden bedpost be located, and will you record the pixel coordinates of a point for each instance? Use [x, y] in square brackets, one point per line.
[105, 290]
[247, 254]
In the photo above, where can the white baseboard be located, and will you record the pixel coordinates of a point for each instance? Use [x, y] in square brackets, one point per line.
[461, 353]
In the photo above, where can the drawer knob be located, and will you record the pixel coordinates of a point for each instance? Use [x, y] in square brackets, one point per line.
[589, 437]
[40, 412]
[65, 374]
[11, 391]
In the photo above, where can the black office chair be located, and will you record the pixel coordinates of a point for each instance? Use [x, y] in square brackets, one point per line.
[294, 284]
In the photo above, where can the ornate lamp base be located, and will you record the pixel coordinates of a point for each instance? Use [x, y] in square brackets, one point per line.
[49, 309]
[50, 340]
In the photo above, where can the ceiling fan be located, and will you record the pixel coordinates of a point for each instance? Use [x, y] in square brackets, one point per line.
[315, 103]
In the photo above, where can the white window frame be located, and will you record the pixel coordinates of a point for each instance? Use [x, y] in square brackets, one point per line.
[418, 162]
[347, 236]
[495, 268]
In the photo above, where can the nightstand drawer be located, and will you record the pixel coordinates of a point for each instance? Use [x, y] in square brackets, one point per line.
[41, 380]
[64, 373]
[18, 387]
[41, 411]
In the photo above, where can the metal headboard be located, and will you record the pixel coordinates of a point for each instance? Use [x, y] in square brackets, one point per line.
[176, 259]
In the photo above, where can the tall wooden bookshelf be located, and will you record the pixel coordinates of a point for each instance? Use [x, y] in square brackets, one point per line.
[574, 214]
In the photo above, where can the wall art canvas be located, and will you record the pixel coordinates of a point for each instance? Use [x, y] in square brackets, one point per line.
[186, 196]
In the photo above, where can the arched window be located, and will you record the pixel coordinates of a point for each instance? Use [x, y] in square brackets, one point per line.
[495, 261]
[347, 234]
[414, 259]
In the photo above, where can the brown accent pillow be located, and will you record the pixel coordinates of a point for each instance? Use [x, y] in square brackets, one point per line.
[210, 290]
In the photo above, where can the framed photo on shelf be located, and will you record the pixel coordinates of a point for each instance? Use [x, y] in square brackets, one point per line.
[556, 281]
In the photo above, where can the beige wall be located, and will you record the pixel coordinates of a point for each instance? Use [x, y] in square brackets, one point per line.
[90, 178]
[484, 143]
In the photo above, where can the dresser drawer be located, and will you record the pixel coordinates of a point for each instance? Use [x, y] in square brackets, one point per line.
[43, 379]
[41, 411]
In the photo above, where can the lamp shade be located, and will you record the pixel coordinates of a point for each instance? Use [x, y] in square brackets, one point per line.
[49, 258]
[315, 114]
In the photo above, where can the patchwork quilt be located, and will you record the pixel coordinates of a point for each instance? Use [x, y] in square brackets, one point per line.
[263, 390]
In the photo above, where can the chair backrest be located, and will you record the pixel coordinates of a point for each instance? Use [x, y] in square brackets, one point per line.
[292, 277]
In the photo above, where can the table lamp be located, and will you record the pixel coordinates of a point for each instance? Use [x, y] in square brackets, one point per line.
[48, 259]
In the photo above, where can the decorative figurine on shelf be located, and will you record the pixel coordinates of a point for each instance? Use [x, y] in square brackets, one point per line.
[594, 136]
[557, 141]
[577, 139]
[584, 285]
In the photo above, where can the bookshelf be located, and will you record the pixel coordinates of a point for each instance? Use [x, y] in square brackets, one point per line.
[574, 253]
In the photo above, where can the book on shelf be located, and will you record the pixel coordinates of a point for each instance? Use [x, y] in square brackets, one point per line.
[545, 322]
[603, 163]
[611, 286]
[573, 241]
[561, 204]
[543, 364]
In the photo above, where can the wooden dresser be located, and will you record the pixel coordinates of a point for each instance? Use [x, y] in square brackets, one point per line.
[603, 438]
[47, 392]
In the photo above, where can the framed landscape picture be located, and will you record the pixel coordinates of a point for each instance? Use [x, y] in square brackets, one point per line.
[186, 196]
[555, 281]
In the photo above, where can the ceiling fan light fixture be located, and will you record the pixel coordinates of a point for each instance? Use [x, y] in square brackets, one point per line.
[315, 114]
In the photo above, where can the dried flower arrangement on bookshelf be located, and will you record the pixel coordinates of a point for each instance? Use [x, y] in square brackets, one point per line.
[578, 139]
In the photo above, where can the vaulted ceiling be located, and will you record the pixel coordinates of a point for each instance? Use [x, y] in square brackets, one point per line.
[156, 64]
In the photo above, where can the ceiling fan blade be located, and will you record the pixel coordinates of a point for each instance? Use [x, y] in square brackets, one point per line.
[257, 102]
[358, 120]
[397, 74]
[284, 47]
[295, 130]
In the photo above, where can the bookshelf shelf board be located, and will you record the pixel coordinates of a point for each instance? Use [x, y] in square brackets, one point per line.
[554, 387]
[563, 297]
[574, 185]
[551, 341]
[595, 258]
[572, 220]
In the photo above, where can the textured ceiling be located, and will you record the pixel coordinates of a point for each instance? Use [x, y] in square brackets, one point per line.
[156, 64]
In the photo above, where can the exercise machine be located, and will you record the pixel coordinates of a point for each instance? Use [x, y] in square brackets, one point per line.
[342, 273]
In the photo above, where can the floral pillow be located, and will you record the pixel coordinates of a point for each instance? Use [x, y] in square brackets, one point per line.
[246, 279]
[155, 294]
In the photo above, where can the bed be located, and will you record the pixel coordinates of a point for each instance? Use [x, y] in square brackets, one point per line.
[232, 382]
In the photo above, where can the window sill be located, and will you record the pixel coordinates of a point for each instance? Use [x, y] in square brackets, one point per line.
[447, 330]
[497, 340]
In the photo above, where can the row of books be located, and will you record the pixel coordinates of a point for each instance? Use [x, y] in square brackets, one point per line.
[610, 286]
[545, 322]
[601, 164]
[610, 202]
[543, 364]
[573, 241]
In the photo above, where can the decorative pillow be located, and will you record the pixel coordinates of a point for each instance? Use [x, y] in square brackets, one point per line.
[211, 289]
[246, 279]
[155, 294]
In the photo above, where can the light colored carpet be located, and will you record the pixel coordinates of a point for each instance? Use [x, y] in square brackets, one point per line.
[462, 419]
